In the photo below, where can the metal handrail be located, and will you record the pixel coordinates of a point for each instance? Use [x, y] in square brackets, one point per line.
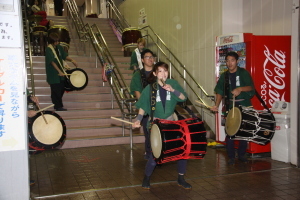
[118, 86]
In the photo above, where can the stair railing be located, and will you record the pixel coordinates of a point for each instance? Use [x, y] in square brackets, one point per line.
[164, 53]
[119, 88]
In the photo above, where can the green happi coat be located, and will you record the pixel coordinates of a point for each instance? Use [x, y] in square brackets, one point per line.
[243, 79]
[171, 101]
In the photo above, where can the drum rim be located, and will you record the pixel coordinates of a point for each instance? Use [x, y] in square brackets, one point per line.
[237, 115]
[33, 139]
[131, 29]
[58, 26]
[158, 141]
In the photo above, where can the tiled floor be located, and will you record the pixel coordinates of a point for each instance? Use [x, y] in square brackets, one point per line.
[116, 172]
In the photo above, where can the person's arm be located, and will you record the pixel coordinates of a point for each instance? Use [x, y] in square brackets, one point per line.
[218, 101]
[139, 118]
[237, 91]
[60, 73]
[137, 94]
[72, 61]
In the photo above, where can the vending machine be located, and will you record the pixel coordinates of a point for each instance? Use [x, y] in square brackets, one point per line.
[267, 58]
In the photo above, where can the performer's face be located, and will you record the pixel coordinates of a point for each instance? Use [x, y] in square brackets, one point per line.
[161, 73]
[148, 60]
[231, 63]
[140, 46]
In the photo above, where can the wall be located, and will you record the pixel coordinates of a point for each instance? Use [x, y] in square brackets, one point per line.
[188, 29]
[201, 21]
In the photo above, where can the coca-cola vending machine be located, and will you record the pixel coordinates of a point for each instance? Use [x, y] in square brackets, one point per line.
[267, 58]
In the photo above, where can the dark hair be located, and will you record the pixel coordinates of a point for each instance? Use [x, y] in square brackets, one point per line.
[146, 51]
[152, 78]
[53, 37]
[233, 54]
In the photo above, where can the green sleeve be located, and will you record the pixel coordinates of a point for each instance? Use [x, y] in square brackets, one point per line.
[219, 89]
[49, 56]
[175, 85]
[135, 84]
[144, 101]
[133, 61]
[246, 80]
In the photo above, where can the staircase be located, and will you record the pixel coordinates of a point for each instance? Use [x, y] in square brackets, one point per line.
[88, 117]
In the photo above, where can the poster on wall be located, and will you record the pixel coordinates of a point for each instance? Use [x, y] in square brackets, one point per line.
[142, 21]
[12, 108]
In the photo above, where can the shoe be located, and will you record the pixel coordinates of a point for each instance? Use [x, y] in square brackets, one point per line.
[231, 161]
[181, 182]
[31, 182]
[61, 109]
[243, 159]
[146, 182]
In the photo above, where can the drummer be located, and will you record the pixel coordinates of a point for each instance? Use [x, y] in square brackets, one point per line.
[165, 94]
[239, 86]
[55, 55]
[136, 60]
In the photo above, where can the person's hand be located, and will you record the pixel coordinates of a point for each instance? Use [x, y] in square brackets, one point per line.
[61, 74]
[31, 113]
[236, 92]
[136, 124]
[168, 88]
[214, 108]
[74, 63]
[34, 99]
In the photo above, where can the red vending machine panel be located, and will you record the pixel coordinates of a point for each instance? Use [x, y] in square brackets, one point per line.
[267, 58]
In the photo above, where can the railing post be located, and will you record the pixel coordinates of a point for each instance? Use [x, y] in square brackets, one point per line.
[123, 124]
[130, 130]
[111, 93]
[184, 76]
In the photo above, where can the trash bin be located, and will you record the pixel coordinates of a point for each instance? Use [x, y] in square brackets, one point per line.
[280, 143]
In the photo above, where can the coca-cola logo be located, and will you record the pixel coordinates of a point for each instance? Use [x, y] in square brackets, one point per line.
[228, 39]
[273, 89]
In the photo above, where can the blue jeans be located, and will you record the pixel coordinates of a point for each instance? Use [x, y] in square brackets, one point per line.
[231, 151]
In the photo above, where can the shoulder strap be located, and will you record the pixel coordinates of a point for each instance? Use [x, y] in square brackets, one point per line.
[226, 90]
[262, 101]
[55, 55]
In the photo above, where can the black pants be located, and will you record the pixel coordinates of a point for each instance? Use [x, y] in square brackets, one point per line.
[241, 149]
[57, 92]
[146, 133]
[58, 6]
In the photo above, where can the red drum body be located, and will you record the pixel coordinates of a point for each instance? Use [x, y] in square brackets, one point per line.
[175, 140]
[246, 123]
[44, 135]
[63, 35]
[130, 37]
[77, 79]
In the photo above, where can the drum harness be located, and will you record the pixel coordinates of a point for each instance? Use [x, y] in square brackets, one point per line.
[55, 52]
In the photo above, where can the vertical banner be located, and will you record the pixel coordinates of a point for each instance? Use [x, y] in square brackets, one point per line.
[12, 109]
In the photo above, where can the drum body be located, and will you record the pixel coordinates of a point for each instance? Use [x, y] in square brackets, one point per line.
[77, 79]
[175, 140]
[130, 37]
[63, 35]
[39, 28]
[44, 135]
[246, 123]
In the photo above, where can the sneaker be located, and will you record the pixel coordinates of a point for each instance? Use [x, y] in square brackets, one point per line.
[231, 161]
[61, 109]
[146, 182]
[181, 182]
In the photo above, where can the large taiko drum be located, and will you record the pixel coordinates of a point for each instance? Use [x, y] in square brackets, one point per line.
[77, 79]
[46, 131]
[63, 35]
[175, 140]
[130, 37]
[246, 123]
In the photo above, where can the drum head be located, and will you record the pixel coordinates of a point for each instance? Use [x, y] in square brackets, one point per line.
[78, 79]
[155, 139]
[233, 121]
[50, 133]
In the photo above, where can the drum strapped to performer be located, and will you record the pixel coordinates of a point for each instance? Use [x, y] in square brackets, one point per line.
[77, 79]
[44, 135]
[246, 123]
[175, 140]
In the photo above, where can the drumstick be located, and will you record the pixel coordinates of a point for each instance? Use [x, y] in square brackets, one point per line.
[121, 120]
[163, 82]
[37, 104]
[40, 110]
[233, 106]
[203, 104]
